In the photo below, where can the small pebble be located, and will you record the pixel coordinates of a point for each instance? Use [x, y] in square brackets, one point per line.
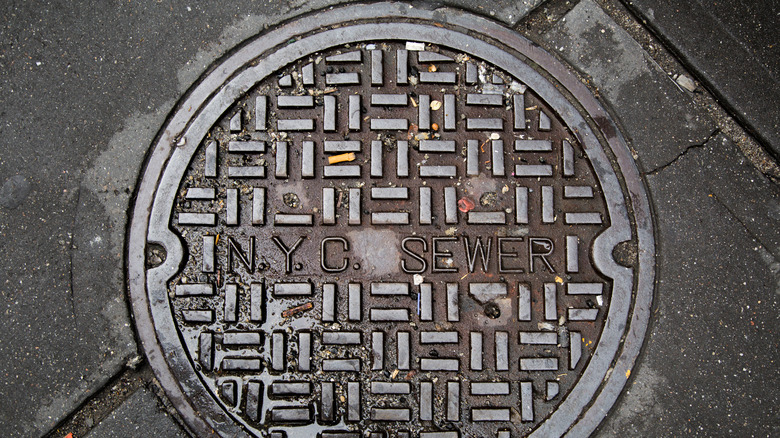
[686, 82]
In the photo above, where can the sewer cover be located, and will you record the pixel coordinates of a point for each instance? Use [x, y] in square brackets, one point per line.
[390, 222]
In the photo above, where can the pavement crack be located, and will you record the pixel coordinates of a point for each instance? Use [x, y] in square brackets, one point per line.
[71, 250]
[704, 143]
[104, 401]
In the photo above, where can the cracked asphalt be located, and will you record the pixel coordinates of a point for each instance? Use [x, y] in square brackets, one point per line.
[86, 86]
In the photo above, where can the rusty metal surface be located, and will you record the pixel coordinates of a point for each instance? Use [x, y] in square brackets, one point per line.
[388, 226]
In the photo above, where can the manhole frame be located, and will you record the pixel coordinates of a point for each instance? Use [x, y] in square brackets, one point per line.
[607, 388]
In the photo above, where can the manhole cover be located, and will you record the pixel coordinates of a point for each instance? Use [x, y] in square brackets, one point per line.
[389, 222]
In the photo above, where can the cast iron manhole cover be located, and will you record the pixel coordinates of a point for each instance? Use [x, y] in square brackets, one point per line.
[390, 222]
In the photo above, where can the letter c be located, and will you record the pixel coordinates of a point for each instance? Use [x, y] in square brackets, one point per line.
[344, 245]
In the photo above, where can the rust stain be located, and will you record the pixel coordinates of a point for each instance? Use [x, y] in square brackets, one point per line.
[296, 310]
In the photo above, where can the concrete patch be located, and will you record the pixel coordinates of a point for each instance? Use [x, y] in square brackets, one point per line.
[709, 363]
[140, 415]
[659, 119]
[638, 407]
[97, 285]
[745, 79]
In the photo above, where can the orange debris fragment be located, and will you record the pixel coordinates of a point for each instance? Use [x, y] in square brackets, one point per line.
[341, 158]
[295, 310]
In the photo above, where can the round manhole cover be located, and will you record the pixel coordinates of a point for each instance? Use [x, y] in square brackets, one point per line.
[388, 222]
